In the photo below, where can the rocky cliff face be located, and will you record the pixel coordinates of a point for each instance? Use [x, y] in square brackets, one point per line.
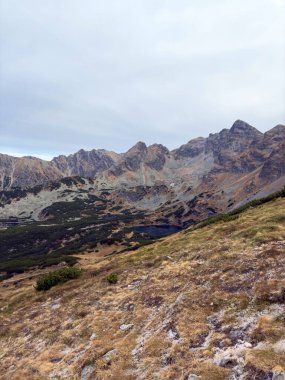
[25, 172]
[239, 150]
[228, 146]
[84, 163]
[273, 144]
[153, 157]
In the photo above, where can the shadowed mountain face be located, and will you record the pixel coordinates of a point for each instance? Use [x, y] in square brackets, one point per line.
[201, 178]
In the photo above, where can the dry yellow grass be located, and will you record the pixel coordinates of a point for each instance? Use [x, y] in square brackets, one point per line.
[205, 302]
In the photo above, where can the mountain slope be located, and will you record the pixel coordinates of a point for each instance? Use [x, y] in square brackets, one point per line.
[208, 302]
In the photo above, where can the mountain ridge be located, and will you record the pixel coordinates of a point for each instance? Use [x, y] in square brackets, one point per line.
[203, 177]
[28, 171]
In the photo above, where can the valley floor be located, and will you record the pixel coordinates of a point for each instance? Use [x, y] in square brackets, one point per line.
[207, 303]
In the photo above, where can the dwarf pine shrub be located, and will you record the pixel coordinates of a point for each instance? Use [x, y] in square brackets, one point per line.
[57, 277]
[112, 278]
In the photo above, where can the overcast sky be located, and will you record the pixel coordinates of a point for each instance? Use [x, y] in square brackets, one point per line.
[108, 73]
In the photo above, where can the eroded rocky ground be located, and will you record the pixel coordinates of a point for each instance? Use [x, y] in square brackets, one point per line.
[206, 303]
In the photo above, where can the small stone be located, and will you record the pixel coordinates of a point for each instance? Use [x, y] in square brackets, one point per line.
[172, 334]
[109, 355]
[247, 345]
[93, 336]
[228, 362]
[126, 327]
[132, 287]
[87, 370]
[192, 376]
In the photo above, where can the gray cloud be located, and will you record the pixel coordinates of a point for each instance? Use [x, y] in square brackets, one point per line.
[96, 74]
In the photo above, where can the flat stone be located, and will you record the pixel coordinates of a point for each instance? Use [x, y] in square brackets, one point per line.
[172, 334]
[125, 327]
[132, 287]
[109, 354]
[87, 370]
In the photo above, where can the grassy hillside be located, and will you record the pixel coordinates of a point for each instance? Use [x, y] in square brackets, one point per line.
[208, 301]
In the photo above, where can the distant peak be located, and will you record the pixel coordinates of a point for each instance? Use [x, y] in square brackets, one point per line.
[277, 132]
[138, 147]
[158, 147]
[140, 144]
[241, 127]
[240, 124]
[278, 127]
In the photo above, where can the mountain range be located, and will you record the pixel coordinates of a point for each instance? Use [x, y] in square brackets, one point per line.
[199, 179]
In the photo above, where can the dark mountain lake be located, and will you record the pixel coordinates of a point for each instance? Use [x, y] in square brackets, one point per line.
[156, 231]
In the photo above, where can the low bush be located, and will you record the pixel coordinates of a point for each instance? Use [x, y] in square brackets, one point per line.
[57, 277]
[112, 278]
[20, 265]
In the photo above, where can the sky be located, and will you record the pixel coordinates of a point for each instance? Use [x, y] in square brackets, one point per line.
[106, 73]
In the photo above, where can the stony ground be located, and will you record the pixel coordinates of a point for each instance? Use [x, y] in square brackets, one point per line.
[206, 304]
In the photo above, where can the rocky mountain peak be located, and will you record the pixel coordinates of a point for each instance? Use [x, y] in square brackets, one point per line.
[158, 148]
[191, 149]
[85, 163]
[139, 147]
[276, 134]
[241, 128]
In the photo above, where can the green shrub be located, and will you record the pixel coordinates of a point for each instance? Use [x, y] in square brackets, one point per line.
[20, 265]
[57, 277]
[112, 278]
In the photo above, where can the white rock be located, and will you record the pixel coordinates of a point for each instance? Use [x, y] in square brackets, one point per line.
[93, 336]
[247, 345]
[86, 371]
[109, 355]
[132, 287]
[172, 334]
[126, 327]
